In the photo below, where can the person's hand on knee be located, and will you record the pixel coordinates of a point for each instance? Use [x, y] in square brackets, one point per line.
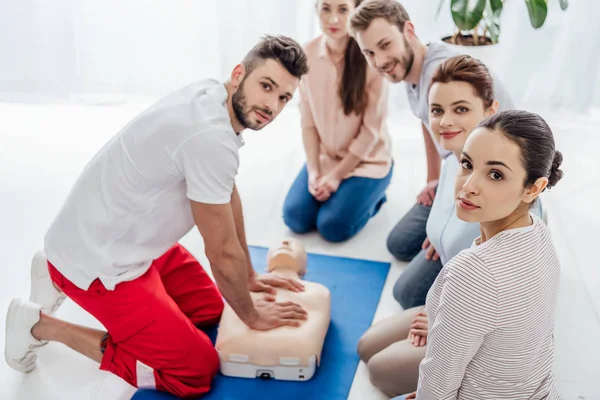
[431, 252]
[417, 335]
[428, 194]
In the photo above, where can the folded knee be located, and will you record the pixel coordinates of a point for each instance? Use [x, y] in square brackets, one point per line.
[196, 376]
[215, 310]
[365, 348]
[381, 375]
[404, 293]
[335, 228]
[399, 249]
[296, 220]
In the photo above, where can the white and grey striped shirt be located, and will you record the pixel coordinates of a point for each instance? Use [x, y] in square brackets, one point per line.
[491, 320]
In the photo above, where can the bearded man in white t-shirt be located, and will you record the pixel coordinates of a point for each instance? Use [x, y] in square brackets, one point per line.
[113, 247]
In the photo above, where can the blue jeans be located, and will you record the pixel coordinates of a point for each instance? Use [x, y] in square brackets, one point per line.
[405, 242]
[400, 398]
[412, 286]
[407, 237]
[340, 217]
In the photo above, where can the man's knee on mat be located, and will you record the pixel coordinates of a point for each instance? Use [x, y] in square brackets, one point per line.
[198, 379]
[211, 312]
[192, 374]
[214, 316]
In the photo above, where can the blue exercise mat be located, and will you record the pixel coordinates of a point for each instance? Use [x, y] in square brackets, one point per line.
[355, 287]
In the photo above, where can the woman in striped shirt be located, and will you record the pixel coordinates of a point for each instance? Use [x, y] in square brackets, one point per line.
[491, 309]
[461, 95]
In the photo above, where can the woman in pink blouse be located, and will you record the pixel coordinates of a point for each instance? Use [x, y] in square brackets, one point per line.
[343, 105]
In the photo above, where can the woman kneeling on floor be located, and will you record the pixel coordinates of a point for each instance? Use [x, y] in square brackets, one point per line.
[343, 107]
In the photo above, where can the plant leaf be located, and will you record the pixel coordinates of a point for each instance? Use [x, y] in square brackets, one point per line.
[496, 5]
[564, 4]
[467, 13]
[538, 10]
[492, 21]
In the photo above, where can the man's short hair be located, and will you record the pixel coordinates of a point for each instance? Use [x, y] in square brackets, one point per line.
[280, 48]
[390, 10]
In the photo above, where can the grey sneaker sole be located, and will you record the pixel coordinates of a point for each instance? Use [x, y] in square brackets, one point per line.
[12, 335]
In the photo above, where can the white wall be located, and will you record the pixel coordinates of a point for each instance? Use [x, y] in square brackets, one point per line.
[133, 47]
[67, 49]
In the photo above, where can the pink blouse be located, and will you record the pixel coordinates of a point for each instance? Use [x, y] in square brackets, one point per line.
[366, 136]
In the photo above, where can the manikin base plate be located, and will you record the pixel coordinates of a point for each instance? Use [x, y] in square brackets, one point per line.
[287, 370]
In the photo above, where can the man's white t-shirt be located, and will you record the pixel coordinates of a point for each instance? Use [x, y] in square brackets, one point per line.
[131, 203]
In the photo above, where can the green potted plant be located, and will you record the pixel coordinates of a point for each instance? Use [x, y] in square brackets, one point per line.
[478, 21]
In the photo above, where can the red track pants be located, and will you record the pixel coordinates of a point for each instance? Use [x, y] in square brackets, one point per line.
[152, 338]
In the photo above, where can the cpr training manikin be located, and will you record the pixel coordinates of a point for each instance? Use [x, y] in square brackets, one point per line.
[284, 353]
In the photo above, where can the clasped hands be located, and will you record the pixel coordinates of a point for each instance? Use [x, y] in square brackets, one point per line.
[321, 187]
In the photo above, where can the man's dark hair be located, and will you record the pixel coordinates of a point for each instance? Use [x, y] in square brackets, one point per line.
[390, 10]
[280, 48]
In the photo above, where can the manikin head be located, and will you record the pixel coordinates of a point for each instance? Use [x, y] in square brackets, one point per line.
[287, 255]
[460, 97]
[266, 80]
[386, 37]
[507, 161]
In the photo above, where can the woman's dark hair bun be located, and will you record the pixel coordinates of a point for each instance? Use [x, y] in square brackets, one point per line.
[556, 173]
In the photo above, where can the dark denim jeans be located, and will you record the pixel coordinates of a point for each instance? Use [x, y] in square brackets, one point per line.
[405, 242]
[407, 237]
[343, 215]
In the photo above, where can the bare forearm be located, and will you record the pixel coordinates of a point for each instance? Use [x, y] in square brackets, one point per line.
[311, 141]
[347, 165]
[228, 261]
[238, 216]
[434, 161]
[229, 270]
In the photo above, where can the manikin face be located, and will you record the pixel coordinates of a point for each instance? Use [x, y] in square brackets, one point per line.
[333, 17]
[454, 111]
[262, 94]
[289, 253]
[490, 185]
[387, 49]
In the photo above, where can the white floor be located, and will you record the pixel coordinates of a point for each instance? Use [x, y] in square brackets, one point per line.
[43, 148]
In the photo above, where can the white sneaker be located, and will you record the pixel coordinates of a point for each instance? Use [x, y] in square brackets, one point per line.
[43, 291]
[21, 347]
